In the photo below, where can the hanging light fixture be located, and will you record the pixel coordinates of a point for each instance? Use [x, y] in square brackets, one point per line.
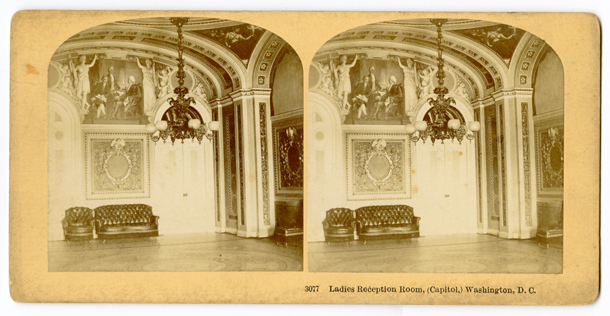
[180, 124]
[443, 125]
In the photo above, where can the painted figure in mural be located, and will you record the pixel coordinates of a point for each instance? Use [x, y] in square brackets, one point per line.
[493, 36]
[393, 98]
[132, 96]
[164, 81]
[461, 91]
[362, 92]
[148, 84]
[373, 79]
[426, 87]
[200, 91]
[81, 73]
[101, 96]
[113, 95]
[378, 112]
[112, 79]
[65, 78]
[344, 85]
[235, 36]
[410, 83]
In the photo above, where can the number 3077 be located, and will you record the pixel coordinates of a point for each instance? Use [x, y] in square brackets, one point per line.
[313, 288]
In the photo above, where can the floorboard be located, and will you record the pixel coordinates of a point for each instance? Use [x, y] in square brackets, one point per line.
[469, 253]
[187, 252]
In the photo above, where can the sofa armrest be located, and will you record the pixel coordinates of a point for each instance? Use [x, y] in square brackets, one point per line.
[97, 223]
[416, 220]
[325, 224]
[353, 224]
[154, 219]
[65, 224]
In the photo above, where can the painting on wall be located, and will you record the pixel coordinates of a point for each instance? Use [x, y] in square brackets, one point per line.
[112, 90]
[372, 91]
[117, 166]
[378, 166]
[289, 158]
[550, 159]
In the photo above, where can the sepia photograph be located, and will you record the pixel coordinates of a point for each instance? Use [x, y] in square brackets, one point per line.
[435, 145]
[435, 158]
[175, 144]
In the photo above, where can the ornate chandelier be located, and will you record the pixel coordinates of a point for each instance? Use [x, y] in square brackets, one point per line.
[443, 125]
[180, 123]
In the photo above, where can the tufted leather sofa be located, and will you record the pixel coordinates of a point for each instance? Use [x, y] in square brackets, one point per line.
[386, 221]
[339, 224]
[78, 223]
[124, 221]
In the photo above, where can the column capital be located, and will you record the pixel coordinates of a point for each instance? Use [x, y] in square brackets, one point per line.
[222, 102]
[506, 93]
[244, 93]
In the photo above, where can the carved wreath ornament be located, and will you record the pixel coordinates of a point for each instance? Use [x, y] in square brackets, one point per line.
[379, 164]
[117, 163]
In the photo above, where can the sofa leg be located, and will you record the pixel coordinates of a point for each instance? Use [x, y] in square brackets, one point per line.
[365, 242]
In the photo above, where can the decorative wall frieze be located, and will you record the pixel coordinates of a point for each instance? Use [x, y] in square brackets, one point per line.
[262, 107]
[502, 148]
[526, 162]
[492, 155]
[240, 150]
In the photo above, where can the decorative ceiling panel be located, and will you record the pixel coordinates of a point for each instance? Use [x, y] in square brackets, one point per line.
[502, 39]
[240, 39]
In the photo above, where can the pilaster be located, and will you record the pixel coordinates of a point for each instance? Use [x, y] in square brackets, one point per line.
[256, 218]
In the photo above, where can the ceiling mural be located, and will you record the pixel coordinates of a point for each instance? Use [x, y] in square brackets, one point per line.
[481, 50]
[502, 39]
[379, 74]
[240, 39]
[119, 72]
[467, 55]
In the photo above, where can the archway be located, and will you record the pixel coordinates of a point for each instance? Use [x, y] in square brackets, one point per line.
[64, 160]
[184, 175]
[324, 161]
[446, 179]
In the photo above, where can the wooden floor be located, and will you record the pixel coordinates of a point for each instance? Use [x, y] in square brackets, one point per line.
[437, 254]
[188, 252]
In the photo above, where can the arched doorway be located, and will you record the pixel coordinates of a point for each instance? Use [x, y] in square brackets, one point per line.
[323, 161]
[446, 179]
[184, 176]
[64, 160]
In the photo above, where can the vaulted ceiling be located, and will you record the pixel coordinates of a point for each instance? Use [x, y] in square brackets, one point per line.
[478, 52]
[217, 51]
